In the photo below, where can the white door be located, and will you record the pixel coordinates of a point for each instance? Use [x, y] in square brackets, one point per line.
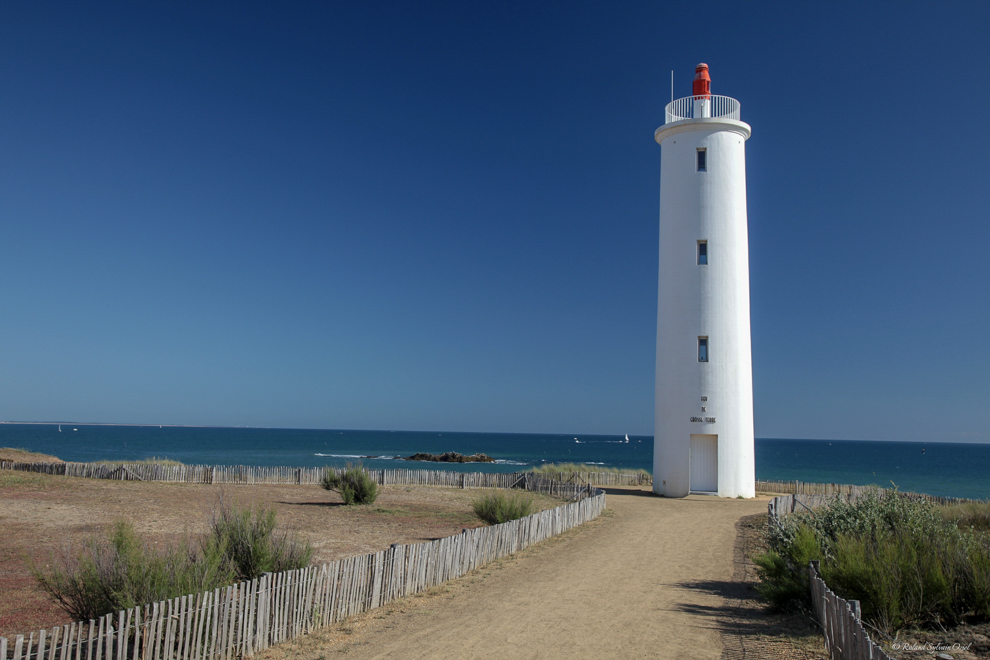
[704, 463]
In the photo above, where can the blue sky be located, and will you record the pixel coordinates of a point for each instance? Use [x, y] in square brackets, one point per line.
[444, 216]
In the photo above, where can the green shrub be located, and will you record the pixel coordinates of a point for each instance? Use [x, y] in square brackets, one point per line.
[497, 507]
[900, 557]
[252, 542]
[783, 573]
[355, 485]
[119, 570]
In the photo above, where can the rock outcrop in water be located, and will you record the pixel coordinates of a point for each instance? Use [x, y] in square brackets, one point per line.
[450, 457]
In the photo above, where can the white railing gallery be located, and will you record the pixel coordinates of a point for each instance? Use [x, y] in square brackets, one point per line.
[246, 618]
[698, 107]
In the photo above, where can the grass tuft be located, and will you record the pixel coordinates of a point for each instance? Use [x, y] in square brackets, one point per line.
[497, 507]
[355, 485]
[153, 460]
[253, 544]
[971, 516]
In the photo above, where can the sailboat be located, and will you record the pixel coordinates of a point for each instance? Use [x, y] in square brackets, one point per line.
[627, 438]
[59, 428]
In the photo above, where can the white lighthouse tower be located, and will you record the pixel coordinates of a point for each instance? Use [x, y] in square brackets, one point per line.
[704, 408]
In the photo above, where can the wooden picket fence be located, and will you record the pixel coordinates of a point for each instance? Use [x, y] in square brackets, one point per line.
[851, 492]
[841, 621]
[254, 474]
[783, 505]
[795, 487]
[245, 618]
[602, 478]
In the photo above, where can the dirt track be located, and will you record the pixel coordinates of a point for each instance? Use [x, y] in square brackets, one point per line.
[645, 581]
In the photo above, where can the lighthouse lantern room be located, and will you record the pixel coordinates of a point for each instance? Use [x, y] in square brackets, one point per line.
[704, 378]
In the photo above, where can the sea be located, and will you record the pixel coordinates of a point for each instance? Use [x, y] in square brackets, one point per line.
[947, 469]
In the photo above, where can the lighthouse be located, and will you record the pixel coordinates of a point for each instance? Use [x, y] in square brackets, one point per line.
[703, 441]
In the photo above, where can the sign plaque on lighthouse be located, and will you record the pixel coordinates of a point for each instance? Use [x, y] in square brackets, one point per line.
[704, 380]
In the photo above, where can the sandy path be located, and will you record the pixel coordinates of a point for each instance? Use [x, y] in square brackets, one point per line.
[634, 584]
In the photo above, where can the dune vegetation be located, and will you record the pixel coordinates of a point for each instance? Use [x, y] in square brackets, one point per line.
[556, 470]
[355, 485]
[21, 455]
[496, 507]
[118, 569]
[910, 563]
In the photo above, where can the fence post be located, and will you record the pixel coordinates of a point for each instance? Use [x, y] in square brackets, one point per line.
[265, 606]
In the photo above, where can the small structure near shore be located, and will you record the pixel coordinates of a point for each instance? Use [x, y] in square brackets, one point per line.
[450, 457]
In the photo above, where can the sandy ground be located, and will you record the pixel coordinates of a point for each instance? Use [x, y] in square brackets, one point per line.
[41, 515]
[650, 579]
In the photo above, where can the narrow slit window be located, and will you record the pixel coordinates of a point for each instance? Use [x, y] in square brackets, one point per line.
[702, 253]
[702, 160]
[702, 349]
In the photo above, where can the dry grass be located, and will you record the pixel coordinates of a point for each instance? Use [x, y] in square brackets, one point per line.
[26, 456]
[21, 455]
[554, 469]
[39, 513]
[154, 460]
[972, 516]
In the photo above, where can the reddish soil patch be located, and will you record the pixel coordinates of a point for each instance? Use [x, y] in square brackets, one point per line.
[41, 514]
